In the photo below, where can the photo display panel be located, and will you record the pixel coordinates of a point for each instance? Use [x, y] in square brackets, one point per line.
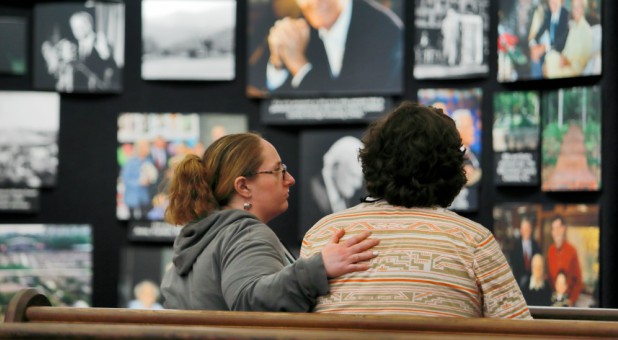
[150, 145]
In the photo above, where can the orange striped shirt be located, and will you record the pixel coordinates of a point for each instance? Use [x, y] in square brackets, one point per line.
[432, 262]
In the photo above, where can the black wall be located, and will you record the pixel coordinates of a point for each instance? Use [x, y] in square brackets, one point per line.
[86, 186]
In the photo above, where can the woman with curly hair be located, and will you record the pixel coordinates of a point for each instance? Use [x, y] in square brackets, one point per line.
[432, 261]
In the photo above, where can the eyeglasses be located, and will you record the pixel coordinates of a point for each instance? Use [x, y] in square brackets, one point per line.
[283, 169]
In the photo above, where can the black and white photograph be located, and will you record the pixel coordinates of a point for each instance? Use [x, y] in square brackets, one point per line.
[549, 39]
[56, 259]
[325, 48]
[516, 138]
[141, 271]
[29, 127]
[188, 39]
[79, 47]
[464, 107]
[451, 39]
[149, 147]
[13, 55]
[331, 177]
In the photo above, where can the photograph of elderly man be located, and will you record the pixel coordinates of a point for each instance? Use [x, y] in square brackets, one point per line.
[300, 47]
[331, 177]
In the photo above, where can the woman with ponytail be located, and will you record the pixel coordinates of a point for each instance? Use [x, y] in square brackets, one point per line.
[226, 257]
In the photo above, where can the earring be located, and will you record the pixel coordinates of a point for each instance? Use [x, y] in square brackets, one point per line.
[247, 206]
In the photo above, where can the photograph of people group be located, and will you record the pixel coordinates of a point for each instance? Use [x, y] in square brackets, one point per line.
[553, 251]
[549, 39]
[151, 145]
[79, 47]
[450, 39]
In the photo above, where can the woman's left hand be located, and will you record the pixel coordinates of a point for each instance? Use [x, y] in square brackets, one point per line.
[347, 256]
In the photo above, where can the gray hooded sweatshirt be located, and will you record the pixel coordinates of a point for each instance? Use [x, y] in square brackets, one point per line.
[230, 260]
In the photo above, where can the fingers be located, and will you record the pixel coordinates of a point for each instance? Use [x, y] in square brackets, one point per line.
[337, 236]
[357, 267]
[357, 238]
[366, 255]
[364, 245]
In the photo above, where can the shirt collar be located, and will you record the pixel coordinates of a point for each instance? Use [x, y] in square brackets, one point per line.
[339, 31]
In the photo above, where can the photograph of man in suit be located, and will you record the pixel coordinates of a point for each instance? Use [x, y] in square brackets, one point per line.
[337, 46]
[524, 249]
[552, 35]
[80, 47]
[336, 184]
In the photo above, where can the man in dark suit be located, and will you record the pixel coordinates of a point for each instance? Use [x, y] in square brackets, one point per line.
[521, 255]
[551, 35]
[95, 68]
[340, 46]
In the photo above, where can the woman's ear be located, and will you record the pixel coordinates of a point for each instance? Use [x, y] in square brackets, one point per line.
[241, 187]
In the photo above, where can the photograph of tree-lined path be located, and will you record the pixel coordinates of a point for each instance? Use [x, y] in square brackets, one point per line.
[571, 140]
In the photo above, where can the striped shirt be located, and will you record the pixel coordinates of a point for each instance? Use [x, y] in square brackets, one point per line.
[432, 262]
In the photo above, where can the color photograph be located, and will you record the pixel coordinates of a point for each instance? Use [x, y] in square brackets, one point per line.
[141, 271]
[330, 175]
[464, 107]
[29, 139]
[516, 133]
[150, 145]
[324, 48]
[79, 48]
[55, 259]
[451, 39]
[553, 251]
[13, 57]
[188, 39]
[571, 146]
[549, 39]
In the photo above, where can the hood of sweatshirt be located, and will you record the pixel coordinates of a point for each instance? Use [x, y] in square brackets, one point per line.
[194, 237]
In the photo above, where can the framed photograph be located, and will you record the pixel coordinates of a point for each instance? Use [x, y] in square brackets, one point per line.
[56, 259]
[451, 39]
[331, 177]
[29, 139]
[516, 134]
[79, 47]
[188, 39]
[151, 144]
[141, 271]
[571, 139]
[553, 251]
[13, 34]
[340, 48]
[464, 107]
[549, 39]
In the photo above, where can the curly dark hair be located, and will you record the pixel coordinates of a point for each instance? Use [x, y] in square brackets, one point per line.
[413, 157]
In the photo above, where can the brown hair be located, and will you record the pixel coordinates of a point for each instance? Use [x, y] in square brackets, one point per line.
[413, 157]
[200, 186]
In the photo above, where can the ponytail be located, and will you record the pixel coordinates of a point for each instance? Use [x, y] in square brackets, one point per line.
[190, 195]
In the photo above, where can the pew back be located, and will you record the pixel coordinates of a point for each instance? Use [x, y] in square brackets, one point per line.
[31, 307]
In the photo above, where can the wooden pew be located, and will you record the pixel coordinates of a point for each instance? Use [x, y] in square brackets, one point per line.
[574, 313]
[31, 308]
